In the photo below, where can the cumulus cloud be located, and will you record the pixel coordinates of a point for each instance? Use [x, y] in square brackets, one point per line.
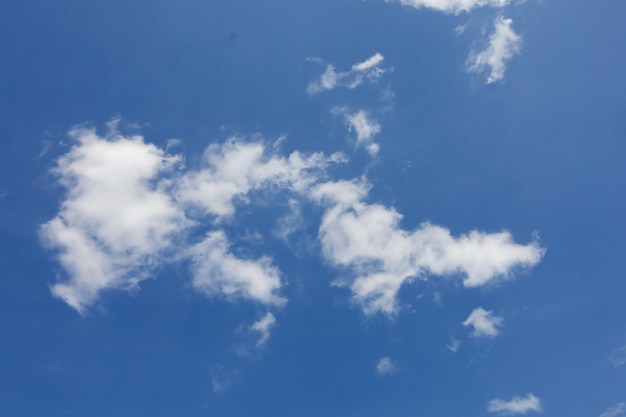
[364, 127]
[618, 357]
[117, 217]
[517, 405]
[504, 43]
[618, 409]
[218, 272]
[237, 167]
[453, 6]
[366, 71]
[129, 207]
[379, 256]
[485, 324]
[264, 327]
[385, 366]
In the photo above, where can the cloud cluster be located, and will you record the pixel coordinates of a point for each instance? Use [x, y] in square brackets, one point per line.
[485, 324]
[378, 256]
[504, 43]
[366, 71]
[518, 405]
[129, 207]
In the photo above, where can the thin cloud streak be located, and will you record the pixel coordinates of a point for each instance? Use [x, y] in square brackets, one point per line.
[517, 405]
[618, 409]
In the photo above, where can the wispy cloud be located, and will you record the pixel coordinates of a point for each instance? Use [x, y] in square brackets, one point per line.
[618, 409]
[129, 208]
[453, 6]
[366, 71]
[454, 346]
[618, 357]
[379, 256]
[484, 322]
[518, 405]
[264, 327]
[364, 127]
[385, 366]
[503, 44]
[238, 167]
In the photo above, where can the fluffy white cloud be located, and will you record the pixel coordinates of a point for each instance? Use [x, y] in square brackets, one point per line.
[364, 127]
[504, 43]
[264, 327]
[368, 70]
[385, 366]
[126, 209]
[618, 357]
[117, 217]
[236, 168]
[484, 323]
[618, 409]
[379, 256]
[453, 6]
[517, 405]
[218, 272]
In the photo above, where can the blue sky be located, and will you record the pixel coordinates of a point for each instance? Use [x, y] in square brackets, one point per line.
[312, 208]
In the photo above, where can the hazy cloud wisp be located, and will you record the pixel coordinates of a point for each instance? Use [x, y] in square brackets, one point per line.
[366, 71]
[517, 405]
[504, 43]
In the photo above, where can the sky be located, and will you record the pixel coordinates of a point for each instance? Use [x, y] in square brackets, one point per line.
[312, 208]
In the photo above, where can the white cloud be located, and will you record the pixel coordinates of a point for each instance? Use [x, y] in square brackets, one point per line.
[263, 327]
[367, 241]
[453, 6]
[127, 210]
[615, 411]
[236, 168]
[117, 217]
[385, 366]
[504, 43]
[485, 324]
[618, 357]
[437, 299]
[454, 346]
[218, 272]
[517, 405]
[368, 70]
[364, 127]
